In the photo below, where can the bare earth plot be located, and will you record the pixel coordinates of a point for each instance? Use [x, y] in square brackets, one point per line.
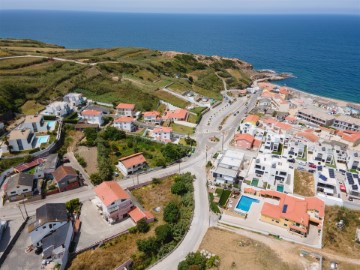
[239, 252]
[89, 154]
[304, 183]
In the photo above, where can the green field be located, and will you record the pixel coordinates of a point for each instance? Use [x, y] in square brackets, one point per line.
[132, 75]
[182, 129]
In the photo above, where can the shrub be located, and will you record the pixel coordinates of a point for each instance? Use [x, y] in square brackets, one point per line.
[142, 226]
[95, 179]
[164, 233]
[149, 246]
[179, 188]
[171, 212]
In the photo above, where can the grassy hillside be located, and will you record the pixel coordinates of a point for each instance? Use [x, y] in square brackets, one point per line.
[108, 75]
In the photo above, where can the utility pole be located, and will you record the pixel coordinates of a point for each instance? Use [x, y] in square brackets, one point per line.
[21, 211]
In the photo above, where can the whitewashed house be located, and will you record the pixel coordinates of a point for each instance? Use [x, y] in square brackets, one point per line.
[21, 139]
[152, 117]
[55, 246]
[163, 134]
[125, 123]
[113, 201]
[131, 164]
[74, 100]
[48, 219]
[125, 109]
[35, 123]
[353, 160]
[57, 108]
[92, 117]
[19, 184]
[228, 167]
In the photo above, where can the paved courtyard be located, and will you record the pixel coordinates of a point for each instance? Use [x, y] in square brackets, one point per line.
[253, 222]
[94, 228]
[18, 259]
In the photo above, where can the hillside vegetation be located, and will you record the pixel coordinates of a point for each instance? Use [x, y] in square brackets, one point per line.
[109, 75]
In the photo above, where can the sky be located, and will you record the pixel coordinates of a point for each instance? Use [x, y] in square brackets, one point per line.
[191, 6]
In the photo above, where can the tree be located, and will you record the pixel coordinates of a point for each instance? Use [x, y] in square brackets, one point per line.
[164, 233]
[113, 134]
[179, 188]
[149, 246]
[142, 226]
[91, 135]
[193, 261]
[171, 212]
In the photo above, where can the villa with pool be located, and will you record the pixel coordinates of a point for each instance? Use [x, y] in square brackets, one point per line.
[270, 212]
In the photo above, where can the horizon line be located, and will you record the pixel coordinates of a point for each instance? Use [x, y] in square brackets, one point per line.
[190, 13]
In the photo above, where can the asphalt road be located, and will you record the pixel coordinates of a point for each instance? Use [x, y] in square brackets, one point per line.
[195, 164]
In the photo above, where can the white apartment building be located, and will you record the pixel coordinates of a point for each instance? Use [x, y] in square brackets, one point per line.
[228, 167]
[316, 116]
[92, 117]
[125, 109]
[345, 122]
[74, 100]
[152, 117]
[57, 108]
[131, 164]
[163, 134]
[125, 123]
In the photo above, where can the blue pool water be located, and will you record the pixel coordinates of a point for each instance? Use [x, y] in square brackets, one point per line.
[245, 203]
[42, 139]
[51, 124]
[280, 188]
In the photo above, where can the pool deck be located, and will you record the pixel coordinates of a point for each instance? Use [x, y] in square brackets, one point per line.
[253, 223]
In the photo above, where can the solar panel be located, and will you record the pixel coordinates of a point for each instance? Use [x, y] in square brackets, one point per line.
[331, 173]
[355, 176]
[350, 179]
[319, 168]
[322, 177]
[284, 208]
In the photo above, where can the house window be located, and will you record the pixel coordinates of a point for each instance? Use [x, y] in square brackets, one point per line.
[277, 221]
[50, 226]
[44, 227]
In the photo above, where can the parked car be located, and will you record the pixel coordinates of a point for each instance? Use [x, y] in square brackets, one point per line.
[291, 160]
[311, 171]
[311, 165]
[301, 168]
[302, 163]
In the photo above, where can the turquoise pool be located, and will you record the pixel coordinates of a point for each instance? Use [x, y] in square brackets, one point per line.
[51, 124]
[42, 139]
[245, 203]
[280, 188]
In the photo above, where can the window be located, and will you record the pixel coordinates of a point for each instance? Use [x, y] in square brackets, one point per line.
[44, 227]
[277, 221]
[285, 224]
[50, 226]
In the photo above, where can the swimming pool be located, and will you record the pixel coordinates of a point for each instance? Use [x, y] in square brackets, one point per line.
[51, 124]
[245, 203]
[42, 139]
[280, 188]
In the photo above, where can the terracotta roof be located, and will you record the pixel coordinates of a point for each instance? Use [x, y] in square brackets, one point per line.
[270, 120]
[152, 113]
[308, 135]
[162, 129]
[124, 119]
[125, 106]
[257, 143]
[90, 112]
[283, 90]
[109, 192]
[245, 136]
[252, 118]
[29, 165]
[290, 118]
[292, 208]
[283, 126]
[136, 214]
[267, 94]
[314, 203]
[63, 171]
[349, 135]
[179, 114]
[133, 160]
[250, 190]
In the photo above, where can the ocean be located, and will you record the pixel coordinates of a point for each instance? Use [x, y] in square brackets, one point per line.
[321, 51]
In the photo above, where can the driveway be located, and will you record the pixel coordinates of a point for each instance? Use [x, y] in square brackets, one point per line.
[94, 228]
[18, 259]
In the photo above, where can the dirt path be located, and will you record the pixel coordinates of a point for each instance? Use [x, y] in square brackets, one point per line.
[289, 250]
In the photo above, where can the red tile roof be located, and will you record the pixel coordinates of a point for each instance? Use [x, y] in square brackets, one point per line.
[29, 165]
[350, 136]
[125, 106]
[245, 136]
[62, 172]
[90, 112]
[124, 119]
[257, 143]
[290, 118]
[136, 214]
[178, 114]
[291, 208]
[249, 190]
[152, 113]
[109, 192]
[270, 120]
[283, 126]
[162, 130]
[252, 118]
[308, 135]
[133, 160]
